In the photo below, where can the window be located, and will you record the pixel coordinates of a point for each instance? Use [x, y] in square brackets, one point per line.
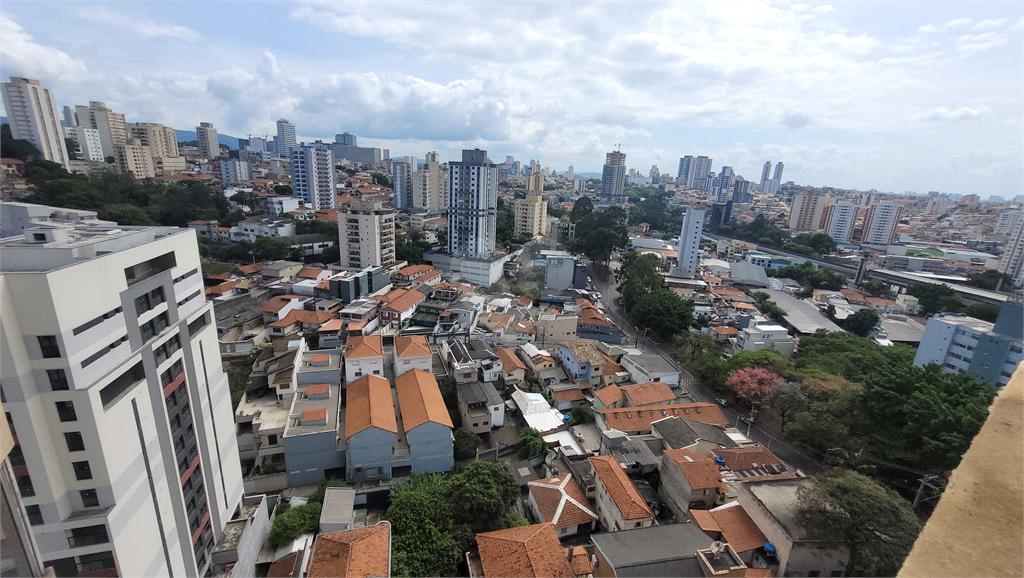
[35, 516]
[74, 441]
[639, 525]
[89, 498]
[48, 346]
[814, 573]
[66, 411]
[87, 536]
[272, 439]
[25, 487]
[82, 470]
[58, 379]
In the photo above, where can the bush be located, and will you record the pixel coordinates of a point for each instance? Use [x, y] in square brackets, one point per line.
[294, 523]
[531, 444]
[466, 443]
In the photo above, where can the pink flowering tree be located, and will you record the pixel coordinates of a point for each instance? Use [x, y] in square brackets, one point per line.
[753, 382]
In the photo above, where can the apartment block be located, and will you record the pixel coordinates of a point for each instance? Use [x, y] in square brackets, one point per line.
[111, 125]
[689, 242]
[430, 186]
[989, 351]
[472, 205]
[209, 146]
[112, 377]
[135, 159]
[837, 221]
[806, 210]
[366, 231]
[880, 224]
[313, 178]
[530, 215]
[87, 143]
[32, 115]
[161, 140]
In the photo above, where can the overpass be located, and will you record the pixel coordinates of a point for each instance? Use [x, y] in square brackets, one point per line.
[796, 258]
[904, 279]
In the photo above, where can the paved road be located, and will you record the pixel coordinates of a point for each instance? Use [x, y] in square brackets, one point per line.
[609, 296]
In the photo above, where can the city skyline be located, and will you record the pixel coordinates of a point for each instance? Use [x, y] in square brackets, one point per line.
[926, 101]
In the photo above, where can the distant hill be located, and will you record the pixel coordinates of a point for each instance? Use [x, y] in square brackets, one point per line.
[187, 135]
[586, 175]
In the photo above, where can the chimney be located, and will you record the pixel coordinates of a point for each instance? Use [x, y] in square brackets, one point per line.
[571, 550]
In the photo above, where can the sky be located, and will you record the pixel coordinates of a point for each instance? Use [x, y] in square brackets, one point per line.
[893, 96]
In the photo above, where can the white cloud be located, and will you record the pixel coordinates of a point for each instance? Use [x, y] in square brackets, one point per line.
[958, 22]
[142, 26]
[990, 23]
[22, 56]
[927, 28]
[962, 113]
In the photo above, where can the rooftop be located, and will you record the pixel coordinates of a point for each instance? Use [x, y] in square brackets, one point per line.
[361, 346]
[525, 552]
[651, 393]
[562, 502]
[476, 392]
[680, 432]
[355, 553]
[803, 316]
[701, 471]
[420, 400]
[652, 363]
[369, 404]
[412, 346]
[621, 490]
[735, 525]
[314, 410]
[668, 550]
[631, 419]
[779, 498]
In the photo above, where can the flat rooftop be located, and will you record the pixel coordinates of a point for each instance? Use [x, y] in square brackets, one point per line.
[74, 244]
[303, 408]
[264, 412]
[779, 498]
[803, 316]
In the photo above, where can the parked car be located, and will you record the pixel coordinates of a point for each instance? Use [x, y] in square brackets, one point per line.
[747, 420]
[721, 402]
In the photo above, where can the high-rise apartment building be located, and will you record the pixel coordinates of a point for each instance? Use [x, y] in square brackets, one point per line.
[21, 555]
[776, 183]
[135, 159]
[530, 215]
[689, 242]
[837, 221]
[234, 170]
[161, 140]
[87, 144]
[614, 175]
[33, 116]
[346, 139]
[366, 232]
[110, 368]
[741, 191]
[285, 138]
[880, 224]
[313, 179]
[111, 125]
[700, 168]
[724, 184]
[988, 351]
[571, 173]
[1006, 223]
[472, 205]
[402, 181]
[805, 212]
[209, 146]
[430, 185]
[683, 175]
[535, 182]
[1012, 260]
[763, 186]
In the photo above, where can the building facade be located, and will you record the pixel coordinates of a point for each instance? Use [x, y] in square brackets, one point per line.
[366, 232]
[111, 125]
[87, 143]
[530, 215]
[472, 205]
[313, 179]
[880, 224]
[285, 138]
[805, 212]
[161, 140]
[32, 115]
[837, 221]
[613, 176]
[988, 351]
[206, 136]
[689, 242]
[430, 186]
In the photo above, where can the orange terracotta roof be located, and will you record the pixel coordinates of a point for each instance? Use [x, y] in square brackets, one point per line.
[405, 301]
[286, 567]
[218, 290]
[420, 399]
[759, 573]
[700, 471]
[309, 273]
[561, 502]
[568, 395]
[525, 301]
[412, 270]
[318, 414]
[726, 330]
[510, 361]
[705, 521]
[369, 404]
[412, 346]
[361, 346]
[318, 389]
[630, 419]
[742, 459]
[333, 325]
[275, 304]
[526, 552]
[250, 269]
[609, 395]
[737, 528]
[302, 316]
[220, 276]
[353, 553]
[580, 562]
[621, 490]
[651, 393]
[609, 367]
[740, 305]
[593, 317]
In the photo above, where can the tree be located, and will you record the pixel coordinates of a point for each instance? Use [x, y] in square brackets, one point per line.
[769, 359]
[581, 208]
[988, 279]
[934, 297]
[786, 400]
[407, 249]
[638, 276]
[827, 423]
[877, 288]
[875, 525]
[530, 443]
[466, 443]
[861, 322]
[125, 214]
[664, 312]
[23, 150]
[284, 190]
[983, 311]
[485, 493]
[581, 414]
[294, 523]
[269, 248]
[753, 382]
[309, 226]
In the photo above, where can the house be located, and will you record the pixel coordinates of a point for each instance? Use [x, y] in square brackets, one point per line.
[488, 364]
[592, 324]
[668, 550]
[371, 429]
[730, 523]
[696, 436]
[279, 269]
[364, 355]
[314, 274]
[765, 336]
[480, 406]
[310, 436]
[887, 306]
[619, 505]
[751, 464]
[359, 553]
[426, 423]
[690, 480]
[536, 359]
[609, 396]
[262, 226]
[414, 275]
[561, 501]
[643, 394]
[338, 511]
[496, 323]
[399, 305]
[581, 359]
[524, 331]
[631, 452]
[648, 367]
[513, 370]
[299, 320]
[567, 397]
[638, 420]
[537, 413]
[412, 352]
[611, 373]
[525, 552]
[276, 308]
[722, 333]
[461, 365]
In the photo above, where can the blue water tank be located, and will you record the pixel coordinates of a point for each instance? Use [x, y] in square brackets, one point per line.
[720, 460]
[769, 547]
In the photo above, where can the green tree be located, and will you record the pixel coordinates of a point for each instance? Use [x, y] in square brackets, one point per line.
[294, 522]
[769, 359]
[270, 248]
[877, 288]
[11, 148]
[283, 190]
[989, 279]
[485, 493]
[124, 214]
[466, 443]
[638, 276]
[664, 312]
[787, 400]
[874, 525]
[861, 322]
[934, 297]
[983, 311]
[530, 443]
[409, 249]
[581, 414]
[580, 209]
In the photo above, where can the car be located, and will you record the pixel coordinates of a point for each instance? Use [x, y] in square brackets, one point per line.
[721, 402]
[747, 420]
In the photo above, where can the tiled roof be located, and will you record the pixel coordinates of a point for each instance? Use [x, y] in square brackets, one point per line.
[412, 346]
[404, 302]
[333, 325]
[275, 304]
[309, 273]
[562, 502]
[701, 471]
[737, 528]
[303, 316]
[361, 346]
[525, 552]
[250, 269]
[622, 491]
[286, 567]
[740, 459]
[609, 395]
[580, 562]
[726, 330]
[610, 367]
[369, 404]
[317, 414]
[420, 399]
[705, 521]
[632, 419]
[353, 553]
[318, 389]
[568, 395]
[651, 393]
[412, 270]
[584, 351]
[593, 317]
[510, 361]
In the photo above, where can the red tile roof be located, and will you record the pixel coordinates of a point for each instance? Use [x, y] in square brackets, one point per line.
[524, 552]
[412, 346]
[360, 346]
[609, 395]
[621, 490]
[638, 419]
[355, 553]
[651, 393]
[561, 502]
[701, 471]
[369, 404]
[420, 399]
[735, 525]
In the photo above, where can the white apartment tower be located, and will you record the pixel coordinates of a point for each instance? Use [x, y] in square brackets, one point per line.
[234, 170]
[209, 146]
[837, 221]
[430, 186]
[88, 146]
[700, 167]
[286, 142]
[689, 242]
[313, 179]
[1012, 260]
[613, 176]
[111, 125]
[366, 231]
[472, 205]
[777, 179]
[530, 214]
[880, 224]
[32, 114]
[111, 374]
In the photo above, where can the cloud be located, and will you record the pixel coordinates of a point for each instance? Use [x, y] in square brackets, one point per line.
[990, 23]
[22, 56]
[927, 28]
[957, 22]
[962, 113]
[147, 28]
[796, 119]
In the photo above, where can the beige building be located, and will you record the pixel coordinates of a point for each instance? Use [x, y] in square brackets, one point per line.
[535, 182]
[111, 125]
[206, 135]
[135, 159]
[806, 210]
[366, 231]
[530, 215]
[32, 115]
[430, 186]
[161, 140]
[169, 165]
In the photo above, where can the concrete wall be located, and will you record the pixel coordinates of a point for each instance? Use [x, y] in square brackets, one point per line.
[266, 484]
[370, 448]
[430, 444]
[308, 455]
[407, 363]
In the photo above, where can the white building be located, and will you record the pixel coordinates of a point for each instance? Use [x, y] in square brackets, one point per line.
[472, 205]
[366, 235]
[430, 186]
[768, 336]
[1012, 260]
[209, 146]
[880, 224]
[111, 125]
[989, 351]
[112, 376]
[285, 138]
[87, 143]
[32, 115]
[233, 171]
[837, 221]
[559, 271]
[806, 210]
[280, 205]
[689, 242]
[313, 179]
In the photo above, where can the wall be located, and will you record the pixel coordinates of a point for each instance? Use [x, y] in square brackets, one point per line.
[408, 363]
[430, 445]
[266, 484]
[308, 455]
[370, 448]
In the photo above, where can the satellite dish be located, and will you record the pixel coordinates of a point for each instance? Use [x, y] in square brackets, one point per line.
[717, 547]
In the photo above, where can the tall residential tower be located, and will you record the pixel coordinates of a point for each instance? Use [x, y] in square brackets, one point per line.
[313, 179]
[614, 176]
[472, 205]
[32, 115]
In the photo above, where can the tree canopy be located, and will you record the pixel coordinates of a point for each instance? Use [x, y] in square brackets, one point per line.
[861, 322]
[581, 208]
[600, 234]
[664, 312]
[934, 297]
[816, 277]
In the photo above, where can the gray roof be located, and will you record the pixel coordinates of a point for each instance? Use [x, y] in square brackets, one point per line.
[680, 432]
[308, 238]
[902, 330]
[653, 363]
[801, 315]
[338, 507]
[668, 550]
[476, 392]
[779, 498]
[632, 450]
[743, 273]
